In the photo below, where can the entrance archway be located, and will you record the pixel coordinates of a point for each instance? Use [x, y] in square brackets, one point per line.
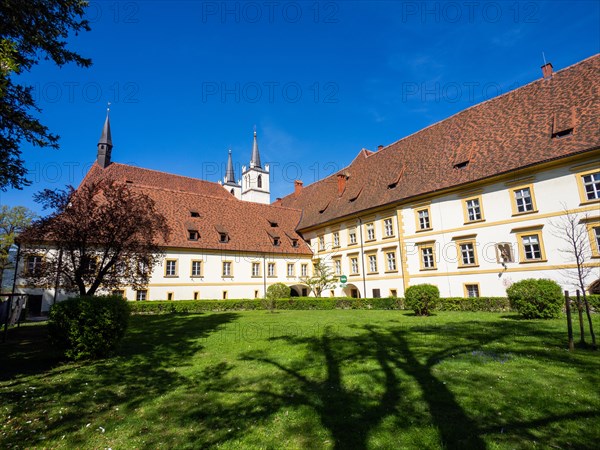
[299, 290]
[351, 291]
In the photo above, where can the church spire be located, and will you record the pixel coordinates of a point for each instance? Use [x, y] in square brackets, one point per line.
[230, 174]
[255, 161]
[105, 143]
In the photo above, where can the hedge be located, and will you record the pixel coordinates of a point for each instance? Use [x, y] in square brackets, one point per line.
[494, 304]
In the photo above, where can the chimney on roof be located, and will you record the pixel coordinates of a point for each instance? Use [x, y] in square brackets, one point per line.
[341, 183]
[547, 70]
[379, 147]
[297, 186]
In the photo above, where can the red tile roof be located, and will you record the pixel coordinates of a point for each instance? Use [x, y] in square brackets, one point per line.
[498, 136]
[247, 224]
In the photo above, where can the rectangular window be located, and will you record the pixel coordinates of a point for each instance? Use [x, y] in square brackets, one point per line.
[504, 253]
[531, 247]
[255, 269]
[141, 295]
[304, 270]
[376, 293]
[196, 295]
[372, 263]
[471, 290]
[596, 241]
[290, 270]
[171, 268]
[271, 269]
[354, 265]
[393, 293]
[424, 222]
[523, 200]
[118, 293]
[169, 296]
[467, 255]
[473, 210]
[391, 261]
[225, 295]
[591, 186]
[337, 266]
[336, 239]
[388, 227]
[427, 256]
[321, 243]
[196, 268]
[256, 293]
[370, 232]
[226, 269]
[34, 265]
[352, 236]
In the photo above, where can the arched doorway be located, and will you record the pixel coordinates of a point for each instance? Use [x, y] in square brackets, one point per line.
[594, 287]
[299, 290]
[351, 291]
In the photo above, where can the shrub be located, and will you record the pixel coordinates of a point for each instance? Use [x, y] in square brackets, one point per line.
[88, 327]
[536, 298]
[422, 298]
[278, 291]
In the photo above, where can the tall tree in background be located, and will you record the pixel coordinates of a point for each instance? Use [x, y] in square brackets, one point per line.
[105, 235]
[30, 30]
[12, 221]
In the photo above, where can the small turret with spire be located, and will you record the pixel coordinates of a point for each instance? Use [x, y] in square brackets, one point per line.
[105, 143]
[229, 181]
[255, 179]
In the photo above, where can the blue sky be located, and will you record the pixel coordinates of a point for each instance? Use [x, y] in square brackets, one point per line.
[320, 80]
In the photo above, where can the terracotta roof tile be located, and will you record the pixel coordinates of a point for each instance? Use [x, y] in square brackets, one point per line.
[177, 197]
[498, 136]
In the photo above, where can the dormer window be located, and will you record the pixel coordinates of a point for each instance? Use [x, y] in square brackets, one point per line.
[461, 165]
[562, 133]
[295, 243]
[276, 242]
[194, 214]
[193, 235]
[273, 224]
[223, 238]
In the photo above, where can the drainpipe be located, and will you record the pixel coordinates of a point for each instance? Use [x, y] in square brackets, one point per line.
[264, 275]
[362, 258]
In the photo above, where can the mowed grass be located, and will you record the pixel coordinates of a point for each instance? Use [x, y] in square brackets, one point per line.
[308, 379]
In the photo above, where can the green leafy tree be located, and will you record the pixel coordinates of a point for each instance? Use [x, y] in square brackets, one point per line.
[31, 30]
[100, 237]
[13, 220]
[321, 279]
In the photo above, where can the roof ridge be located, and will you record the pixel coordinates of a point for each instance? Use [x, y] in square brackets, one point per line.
[166, 173]
[199, 194]
[538, 80]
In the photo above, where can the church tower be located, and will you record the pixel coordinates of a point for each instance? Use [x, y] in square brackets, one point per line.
[255, 180]
[229, 181]
[105, 144]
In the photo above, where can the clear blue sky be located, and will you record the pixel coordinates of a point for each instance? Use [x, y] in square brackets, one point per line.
[320, 80]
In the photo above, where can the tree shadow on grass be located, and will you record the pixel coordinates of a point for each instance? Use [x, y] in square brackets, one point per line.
[103, 392]
[390, 360]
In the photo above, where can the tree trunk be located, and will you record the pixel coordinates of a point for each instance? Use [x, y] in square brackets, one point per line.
[589, 316]
[580, 313]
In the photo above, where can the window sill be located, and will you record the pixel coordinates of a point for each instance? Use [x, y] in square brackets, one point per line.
[355, 274]
[420, 230]
[171, 276]
[197, 276]
[533, 261]
[389, 237]
[589, 202]
[256, 276]
[271, 276]
[391, 271]
[226, 276]
[524, 213]
[467, 266]
[427, 269]
[474, 221]
[370, 240]
[372, 273]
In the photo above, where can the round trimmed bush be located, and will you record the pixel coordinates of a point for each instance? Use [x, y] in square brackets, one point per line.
[278, 291]
[536, 298]
[422, 298]
[88, 327]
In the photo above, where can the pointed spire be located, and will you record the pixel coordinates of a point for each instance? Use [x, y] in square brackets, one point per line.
[105, 143]
[230, 174]
[255, 161]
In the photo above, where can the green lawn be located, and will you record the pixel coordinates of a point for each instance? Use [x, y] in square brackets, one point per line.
[308, 379]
